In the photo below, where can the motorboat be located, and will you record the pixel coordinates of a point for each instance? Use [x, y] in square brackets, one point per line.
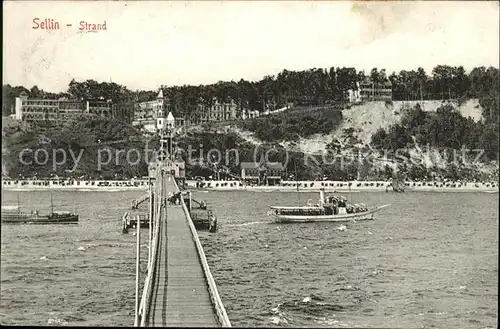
[329, 209]
[13, 215]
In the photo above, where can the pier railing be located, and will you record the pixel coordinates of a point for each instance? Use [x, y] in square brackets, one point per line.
[147, 289]
[159, 210]
[217, 304]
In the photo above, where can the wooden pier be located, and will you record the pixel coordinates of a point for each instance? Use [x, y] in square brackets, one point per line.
[179, 289]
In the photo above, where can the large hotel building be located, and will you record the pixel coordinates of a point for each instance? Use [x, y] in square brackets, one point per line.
[371, 91]
[60, 110]
[217, 111]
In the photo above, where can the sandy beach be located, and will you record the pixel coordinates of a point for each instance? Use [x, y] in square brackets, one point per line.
[74, 185]
[347, 187]
[285, 186]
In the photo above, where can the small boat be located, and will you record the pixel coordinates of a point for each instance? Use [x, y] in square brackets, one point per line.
[13, 215]
[202, 216]
[131, 222]
[204, 219]
[329, 209]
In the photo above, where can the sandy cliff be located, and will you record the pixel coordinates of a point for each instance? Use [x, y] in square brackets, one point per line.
[367, 118]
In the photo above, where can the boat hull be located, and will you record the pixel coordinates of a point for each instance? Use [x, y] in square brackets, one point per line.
[20, 219]
[366, 215]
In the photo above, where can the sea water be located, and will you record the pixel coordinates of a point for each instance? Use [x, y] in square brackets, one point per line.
[430, 259]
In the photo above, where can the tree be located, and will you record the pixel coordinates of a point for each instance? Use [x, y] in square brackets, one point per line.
[422, 81]
[374, 76]
[36, 93]
[9, 95]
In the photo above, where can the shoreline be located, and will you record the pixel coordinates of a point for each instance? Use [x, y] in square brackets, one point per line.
[285, 190]
[74, 185]
[348, 187]
[285, 186]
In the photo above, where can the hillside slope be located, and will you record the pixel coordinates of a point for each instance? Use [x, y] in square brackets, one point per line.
[367, 118]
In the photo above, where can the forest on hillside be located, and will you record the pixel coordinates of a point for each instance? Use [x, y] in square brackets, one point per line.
[85, 137]
[92, 137]
[314, 86]
[326, 88]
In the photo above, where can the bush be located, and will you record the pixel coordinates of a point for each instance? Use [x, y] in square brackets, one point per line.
[84, 137]
[446, 128]
[293, 124]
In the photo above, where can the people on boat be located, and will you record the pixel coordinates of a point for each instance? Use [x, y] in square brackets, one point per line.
[342, 203]
[329, 209]
[335, 204]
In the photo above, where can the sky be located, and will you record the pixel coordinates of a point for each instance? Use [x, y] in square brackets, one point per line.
[148, 44]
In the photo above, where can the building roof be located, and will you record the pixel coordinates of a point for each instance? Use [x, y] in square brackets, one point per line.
[368, 81]
[94, 100]
[249, 165]
[256, 165]
[23, 93]
[274, 165]
[160, 94]
[170, 117]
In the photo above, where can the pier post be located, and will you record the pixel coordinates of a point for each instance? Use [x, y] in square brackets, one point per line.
[190, 202]
[150, 220]
[137, 272]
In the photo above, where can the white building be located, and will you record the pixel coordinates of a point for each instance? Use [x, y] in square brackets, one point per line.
[60, 110]
[147, 113]
[249, 114]
[354, 96]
